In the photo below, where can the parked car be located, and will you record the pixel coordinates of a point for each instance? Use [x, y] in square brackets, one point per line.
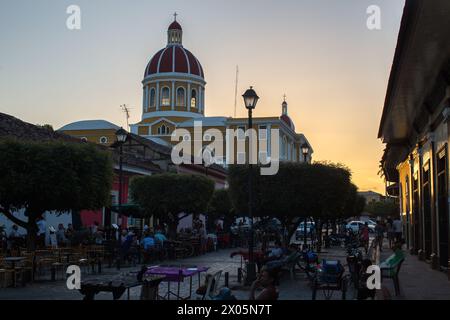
[240, 225]
[310, 227]
[269, 225]
[356, 225]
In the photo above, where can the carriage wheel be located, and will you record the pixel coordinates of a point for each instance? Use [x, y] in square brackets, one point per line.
[344, 288]
[328, 293]
[314, 289]
[188, 250]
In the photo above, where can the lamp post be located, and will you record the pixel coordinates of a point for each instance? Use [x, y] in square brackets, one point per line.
[305, 151]
[250, 100]
[121, 136]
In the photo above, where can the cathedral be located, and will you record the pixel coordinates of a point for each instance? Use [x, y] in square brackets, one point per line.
[174, 89]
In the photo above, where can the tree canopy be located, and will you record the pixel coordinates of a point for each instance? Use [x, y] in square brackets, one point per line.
[384, 208]
[220, 207]
[320, 190]
[167, 195]
[52, 176]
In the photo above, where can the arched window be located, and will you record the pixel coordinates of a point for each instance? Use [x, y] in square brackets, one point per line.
[180, 97]
[163, 130]
[194, 98]
[152, 97]
[165, 96]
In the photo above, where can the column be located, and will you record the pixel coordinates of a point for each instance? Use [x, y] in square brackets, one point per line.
[200, 99]
[157, 96]
[144, 98]
[173, 95]
[434, 225]
[421, 208]
[189, 97]
[412, 213]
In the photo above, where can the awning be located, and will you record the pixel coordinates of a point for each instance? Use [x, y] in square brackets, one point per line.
[393, 190]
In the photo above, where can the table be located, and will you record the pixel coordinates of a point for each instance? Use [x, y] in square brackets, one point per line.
[94, 256]
[13, 261]
[177, 274]
[116, 285]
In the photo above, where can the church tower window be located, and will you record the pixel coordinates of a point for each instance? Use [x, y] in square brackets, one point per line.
[180, 97]
[152, 97]
[163, 130]
[194, 98]
[165, 96]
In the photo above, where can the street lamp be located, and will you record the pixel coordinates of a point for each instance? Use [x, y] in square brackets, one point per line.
[250, 100]
[305, 150]
[121, 136]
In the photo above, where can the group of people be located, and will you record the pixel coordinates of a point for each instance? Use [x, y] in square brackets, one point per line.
[153, 243]
[392, 228]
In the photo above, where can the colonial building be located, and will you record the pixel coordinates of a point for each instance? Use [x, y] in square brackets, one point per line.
[415, 128]
[140, 157]
[96, 131]
[371, 196]
[174, 98]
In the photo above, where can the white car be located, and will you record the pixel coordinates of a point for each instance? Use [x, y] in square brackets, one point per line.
[310, 227]
[356, 225]
[241, 224]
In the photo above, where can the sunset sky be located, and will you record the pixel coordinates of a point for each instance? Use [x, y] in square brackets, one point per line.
[320, 53]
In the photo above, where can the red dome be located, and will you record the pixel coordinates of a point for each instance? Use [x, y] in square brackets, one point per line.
[288, 121]
[174, 58]
[175, 26]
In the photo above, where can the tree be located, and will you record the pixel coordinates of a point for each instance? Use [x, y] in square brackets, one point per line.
[319, 190]
[384, 208]
[55, 177]
[172, 197]
[220, 207]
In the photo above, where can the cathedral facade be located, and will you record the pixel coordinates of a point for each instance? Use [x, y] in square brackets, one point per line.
[174, 98]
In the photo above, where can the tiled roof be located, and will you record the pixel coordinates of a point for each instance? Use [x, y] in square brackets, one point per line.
[13, 128]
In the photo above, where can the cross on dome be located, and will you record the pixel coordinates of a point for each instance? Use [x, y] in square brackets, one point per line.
[175, 32]
[284, 106]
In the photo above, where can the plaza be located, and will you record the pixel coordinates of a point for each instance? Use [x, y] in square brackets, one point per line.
[137, 178]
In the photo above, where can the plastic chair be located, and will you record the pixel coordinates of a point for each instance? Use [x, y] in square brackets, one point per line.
[212, 285]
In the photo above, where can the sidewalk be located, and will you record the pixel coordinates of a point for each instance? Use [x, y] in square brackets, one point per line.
[417, 280]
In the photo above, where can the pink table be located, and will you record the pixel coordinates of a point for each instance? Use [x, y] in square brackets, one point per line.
[177, 274]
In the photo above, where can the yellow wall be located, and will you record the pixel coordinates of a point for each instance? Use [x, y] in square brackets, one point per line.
[94, 135]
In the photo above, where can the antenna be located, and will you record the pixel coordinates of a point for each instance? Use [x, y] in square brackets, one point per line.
[126, 110]
[235, 90]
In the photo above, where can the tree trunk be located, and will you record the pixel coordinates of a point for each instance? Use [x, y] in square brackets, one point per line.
[30, 226]
[31, 238]
[319, 235]
[173, 229]
[292, 228]
[76, 220]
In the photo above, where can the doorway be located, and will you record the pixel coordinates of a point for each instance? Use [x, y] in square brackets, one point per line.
[442, 190]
